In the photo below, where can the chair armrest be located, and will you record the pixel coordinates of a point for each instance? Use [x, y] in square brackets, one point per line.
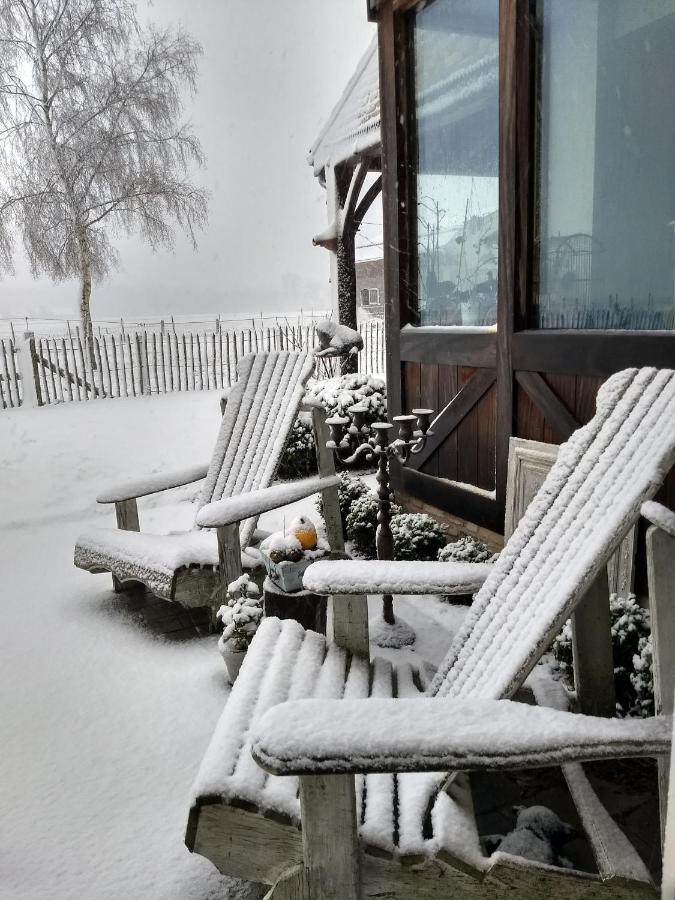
[373, 577]
[243, 506]
[659, 515]
[152, 484]
[320, 737]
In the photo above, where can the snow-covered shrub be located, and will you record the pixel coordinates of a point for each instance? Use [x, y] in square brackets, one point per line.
[417, 536]
[351, 487]
[466, 549]
[299, 458]
[632, 653]
[642, 678]
[240, 614]
[338, 394]
[361, 523]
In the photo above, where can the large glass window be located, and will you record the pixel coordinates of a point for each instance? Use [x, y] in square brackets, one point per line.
[455, 75]
[607, 187]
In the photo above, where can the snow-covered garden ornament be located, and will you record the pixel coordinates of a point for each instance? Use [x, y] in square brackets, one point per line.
[287, 554]
[349, 443]
[336, 339]
[240, 615]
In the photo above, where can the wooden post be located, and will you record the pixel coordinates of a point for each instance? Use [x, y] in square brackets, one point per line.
[330, 839]
[28, 371]
[349, 613]
[592, 651]
[661, 582]
[126, 512]
[229, 556]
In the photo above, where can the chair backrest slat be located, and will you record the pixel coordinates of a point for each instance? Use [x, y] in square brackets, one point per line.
[589, 500]
[260, 411]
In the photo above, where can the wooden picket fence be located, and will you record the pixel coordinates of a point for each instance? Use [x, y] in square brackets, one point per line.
[154, 362]
[11, 393]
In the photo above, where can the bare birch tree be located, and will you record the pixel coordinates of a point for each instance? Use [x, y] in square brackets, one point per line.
[91, 142]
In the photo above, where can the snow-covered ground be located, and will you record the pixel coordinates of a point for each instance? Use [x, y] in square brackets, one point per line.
[103, 724]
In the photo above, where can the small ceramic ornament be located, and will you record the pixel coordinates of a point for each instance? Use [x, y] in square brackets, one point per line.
[303, 529]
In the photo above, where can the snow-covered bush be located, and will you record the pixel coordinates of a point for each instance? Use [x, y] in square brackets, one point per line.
[240, 614]
[350, 489]
[298, 459]
[336, 395]
[466, 549]
[417, 536]
[632, 652]
[361, 523]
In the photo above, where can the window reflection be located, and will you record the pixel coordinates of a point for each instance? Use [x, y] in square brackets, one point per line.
[607, 248]
[455, 53]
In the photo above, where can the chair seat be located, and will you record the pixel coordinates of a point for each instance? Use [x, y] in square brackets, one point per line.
[152, 559]
[403, 815]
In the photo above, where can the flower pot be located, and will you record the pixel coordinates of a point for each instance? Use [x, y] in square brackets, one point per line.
[233, 660]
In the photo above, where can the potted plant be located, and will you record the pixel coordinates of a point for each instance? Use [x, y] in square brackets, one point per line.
[240, 615]
[287, 555]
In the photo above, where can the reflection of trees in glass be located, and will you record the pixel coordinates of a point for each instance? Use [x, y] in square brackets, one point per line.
[457, 274]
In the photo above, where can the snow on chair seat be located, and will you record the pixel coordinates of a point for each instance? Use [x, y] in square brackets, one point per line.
[261, 409]
[298, 664]
[590, 499]
[153, 559]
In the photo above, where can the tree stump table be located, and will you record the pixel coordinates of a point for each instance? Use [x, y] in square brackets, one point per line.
[305, 607]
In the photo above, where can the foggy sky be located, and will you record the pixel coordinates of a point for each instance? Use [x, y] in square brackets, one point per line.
[270, 75]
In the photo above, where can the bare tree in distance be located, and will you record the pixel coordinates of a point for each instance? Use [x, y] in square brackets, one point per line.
[91, 140]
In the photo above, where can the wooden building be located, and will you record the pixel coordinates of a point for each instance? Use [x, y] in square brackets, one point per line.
[528, 180]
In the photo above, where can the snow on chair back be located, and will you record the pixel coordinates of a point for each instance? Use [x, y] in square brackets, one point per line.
[259, 414]
[588, 501]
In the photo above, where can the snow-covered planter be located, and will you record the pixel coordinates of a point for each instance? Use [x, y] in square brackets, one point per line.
[350, 489]
[287, 556]
[240, 615]
[417, 536]
[632, 652]
[466, 549]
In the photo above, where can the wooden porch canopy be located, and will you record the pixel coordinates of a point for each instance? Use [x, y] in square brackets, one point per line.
[348, 147]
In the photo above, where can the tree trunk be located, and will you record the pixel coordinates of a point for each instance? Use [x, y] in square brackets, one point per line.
[85, 303]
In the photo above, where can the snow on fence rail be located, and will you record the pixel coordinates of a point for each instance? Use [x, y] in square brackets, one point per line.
[59, 369]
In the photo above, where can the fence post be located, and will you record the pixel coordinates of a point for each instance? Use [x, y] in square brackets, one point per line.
[27, 367]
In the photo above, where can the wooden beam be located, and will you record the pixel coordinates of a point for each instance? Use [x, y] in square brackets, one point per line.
[548, 403]
[589, 352]
[474, 506]
[366, 202]
[443, 346]
[592, 651]
[126, 513]
[346, 220]
[661, 583]
[450, 417]
[330, 838]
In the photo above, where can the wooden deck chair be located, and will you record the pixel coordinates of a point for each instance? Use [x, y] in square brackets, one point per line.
[186, 567]
[351, 795]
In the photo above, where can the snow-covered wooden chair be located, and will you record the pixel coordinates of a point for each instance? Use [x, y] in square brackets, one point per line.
[186, 567]
[329, 777]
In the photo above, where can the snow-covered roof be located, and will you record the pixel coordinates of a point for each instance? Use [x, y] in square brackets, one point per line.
[353, 127]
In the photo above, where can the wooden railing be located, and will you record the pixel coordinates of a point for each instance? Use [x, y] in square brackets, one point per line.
[61, 369]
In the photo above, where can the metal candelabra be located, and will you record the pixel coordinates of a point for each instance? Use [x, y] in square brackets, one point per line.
[351, 441]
